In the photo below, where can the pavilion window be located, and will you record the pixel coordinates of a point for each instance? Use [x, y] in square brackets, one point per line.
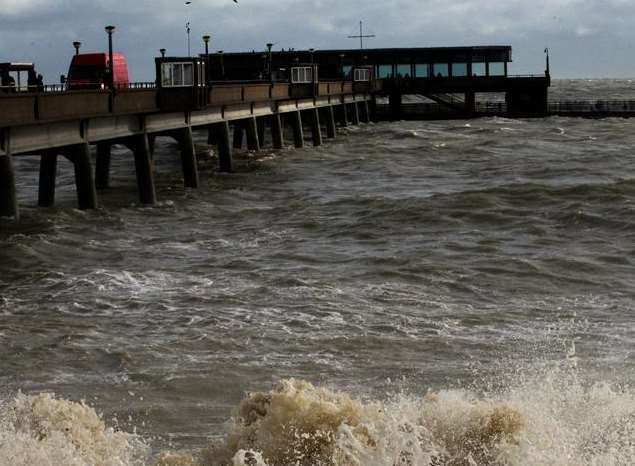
[441, 70]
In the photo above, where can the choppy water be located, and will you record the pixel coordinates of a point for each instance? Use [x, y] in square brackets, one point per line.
[461, 293]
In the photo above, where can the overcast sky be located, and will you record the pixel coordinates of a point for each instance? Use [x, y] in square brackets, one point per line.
[587, 38]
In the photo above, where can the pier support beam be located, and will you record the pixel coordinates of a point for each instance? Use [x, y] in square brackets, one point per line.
[144, 169]
[343, 115]
[355, 113]
[188, 157]
[316, 130]
[238, 135]
[48, 176]
[102, 165]
[84, 178]
[277, 135]
[295, 119]
[329, 117]
[221, 135]
[252, 134]
[8, 197]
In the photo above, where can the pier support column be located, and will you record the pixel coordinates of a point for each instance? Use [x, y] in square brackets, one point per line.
[295, 120]
[102, 165]
[470, 102]
[261, 122]
[394, 103]
[48, 176]
[238, 135]
[221, 135]
[211, 136]
[365, 112]
[144, 169]
[355, 113]
[8, 197]
[329, 116]
[252, 134]
[188, 157]
[343, 116]
[84, 178]
[316, 130]
[277, 135]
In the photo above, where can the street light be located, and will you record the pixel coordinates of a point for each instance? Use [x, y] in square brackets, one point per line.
[269, 64]
[188, 30]
[206, 39]
[311, 52]
[342, 63]
[222, 64]
[77, 45]
[109, 31]
[162, 52]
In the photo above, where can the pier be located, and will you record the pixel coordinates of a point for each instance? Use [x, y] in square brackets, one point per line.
[68, 123]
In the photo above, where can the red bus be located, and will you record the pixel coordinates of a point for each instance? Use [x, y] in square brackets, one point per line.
[90, 71]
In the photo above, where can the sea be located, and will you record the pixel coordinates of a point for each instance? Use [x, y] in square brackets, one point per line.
[434, 293]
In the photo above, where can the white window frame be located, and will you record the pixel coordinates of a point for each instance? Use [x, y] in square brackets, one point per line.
[362, 75]
[301, 75]
[173, 74]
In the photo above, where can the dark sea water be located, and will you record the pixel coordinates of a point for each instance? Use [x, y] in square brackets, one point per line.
[443, 293]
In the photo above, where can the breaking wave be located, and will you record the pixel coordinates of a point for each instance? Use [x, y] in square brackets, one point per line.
[545, 417]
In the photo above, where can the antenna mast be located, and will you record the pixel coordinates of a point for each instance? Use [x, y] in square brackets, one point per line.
[361, 36]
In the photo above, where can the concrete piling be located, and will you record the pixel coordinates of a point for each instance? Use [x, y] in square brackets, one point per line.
[262, 122]
[48, 176]
[277, 135]
[295, 119]
[144, 169]
[253, 143]
[8, 197]
[102, 165]
[84, 178]
[329, 117]
[343, 115]
[221, 135]
[238, 135]
[355, 113]
[316, 130]
[188, 157]
[364, 112]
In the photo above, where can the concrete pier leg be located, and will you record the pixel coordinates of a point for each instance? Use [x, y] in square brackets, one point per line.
[84, 178]
[343, 116]
[329, 116]
[211, 136]
[316, 130]
[295, 119]
[277, 135]
[221, 134]
[252, 134]
[261, 121]
[188, 158]
[394, 103]
[102, 165]
[144, 169]
[364, 112]
[470, 102]
[238, 135]
[151, 143]
[355, 113]
[8, 197]
[48, 175]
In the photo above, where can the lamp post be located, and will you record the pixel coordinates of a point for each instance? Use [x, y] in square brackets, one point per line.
[109, 31]
[206, 39]
[188, 30]
[269, 64]
[547, 71]
[311, 52]
[77, 45]
[162, 52]
[342, 64]
[222, 64]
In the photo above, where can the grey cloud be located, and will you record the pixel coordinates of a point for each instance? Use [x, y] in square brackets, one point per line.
[586, 37]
